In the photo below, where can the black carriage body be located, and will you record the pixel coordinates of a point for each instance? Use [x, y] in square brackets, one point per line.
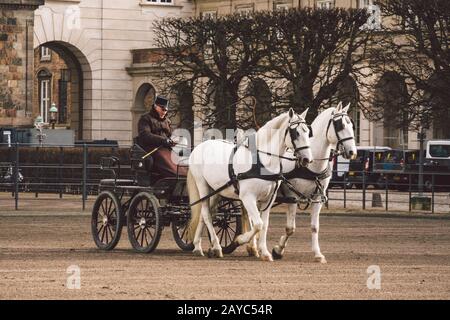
[149, 201]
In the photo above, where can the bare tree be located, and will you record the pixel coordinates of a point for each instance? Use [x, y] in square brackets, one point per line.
[415, 45]
[212, 56]
[315, 50]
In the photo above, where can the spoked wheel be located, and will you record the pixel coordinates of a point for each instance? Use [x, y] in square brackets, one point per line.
[228, 224]
[106, 221]
[179, 231]
[144, 222]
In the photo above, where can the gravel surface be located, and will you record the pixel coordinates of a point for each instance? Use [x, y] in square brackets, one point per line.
[412, 253]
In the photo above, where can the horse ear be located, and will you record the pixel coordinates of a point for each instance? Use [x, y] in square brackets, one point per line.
[339, 106]
[345, 109]
[291, 113]
[303, 115]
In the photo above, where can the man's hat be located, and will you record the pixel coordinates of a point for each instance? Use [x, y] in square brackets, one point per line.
[162, 102]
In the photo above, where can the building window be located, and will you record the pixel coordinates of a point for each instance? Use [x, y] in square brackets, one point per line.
[45, 98]
[281, 6]
[365, 3]
[44, 80]
[325, 4]
[45, 54]
[211, 14]
[374, 20]
[63, 95]
[244, 10]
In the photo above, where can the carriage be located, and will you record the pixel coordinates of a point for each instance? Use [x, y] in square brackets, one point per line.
[148, 203]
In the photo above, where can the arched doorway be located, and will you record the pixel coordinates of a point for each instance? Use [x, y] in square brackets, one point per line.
[391, 97]
[67, 83]
[437, 100]
[145, 96]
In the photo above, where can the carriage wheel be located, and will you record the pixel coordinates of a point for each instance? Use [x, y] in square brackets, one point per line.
[179, 231]
[144, 222]
[228, 224]
[106, 221]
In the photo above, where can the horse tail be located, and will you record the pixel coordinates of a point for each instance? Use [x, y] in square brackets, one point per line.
[245, 221]
[194, 195]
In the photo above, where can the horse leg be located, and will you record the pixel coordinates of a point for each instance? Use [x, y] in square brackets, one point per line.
[262, 241]
[252, 248]
[255, 221]
[318, 256]
[205, 217]
[217, 248]
[278, 250]
[198, 239]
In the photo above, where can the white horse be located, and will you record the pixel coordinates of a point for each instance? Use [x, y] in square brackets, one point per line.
[209, 171]
[332, 129]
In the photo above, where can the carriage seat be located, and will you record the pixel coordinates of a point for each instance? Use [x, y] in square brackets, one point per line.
[139, 165]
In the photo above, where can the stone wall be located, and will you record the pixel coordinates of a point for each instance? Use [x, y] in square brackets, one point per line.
[16, 61]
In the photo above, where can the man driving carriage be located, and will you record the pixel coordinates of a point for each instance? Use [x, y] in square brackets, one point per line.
[154, 134]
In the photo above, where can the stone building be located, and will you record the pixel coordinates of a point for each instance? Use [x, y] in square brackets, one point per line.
[107, 48]
[16, 61]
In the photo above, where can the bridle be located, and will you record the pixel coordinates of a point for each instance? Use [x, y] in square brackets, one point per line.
[293, 134]
[338, 126]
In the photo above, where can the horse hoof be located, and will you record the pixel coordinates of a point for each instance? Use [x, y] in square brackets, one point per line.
[320, 259]
[215, 253]
[198, 253]
[252, 252]
[232, 246]
[267, 258]
[276, 255]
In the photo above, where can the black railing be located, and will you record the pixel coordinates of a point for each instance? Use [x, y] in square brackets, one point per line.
[26, 168]
[75, 170]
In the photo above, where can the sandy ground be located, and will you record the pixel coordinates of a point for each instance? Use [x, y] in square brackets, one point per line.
[413, 256]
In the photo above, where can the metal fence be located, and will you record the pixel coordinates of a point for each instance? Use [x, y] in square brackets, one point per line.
[75, 170]
[58, 169]
[389, 195]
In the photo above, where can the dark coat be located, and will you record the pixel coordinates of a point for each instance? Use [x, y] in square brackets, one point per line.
[152, 130]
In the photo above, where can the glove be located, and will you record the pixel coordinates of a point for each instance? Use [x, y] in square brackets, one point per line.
[169, 143]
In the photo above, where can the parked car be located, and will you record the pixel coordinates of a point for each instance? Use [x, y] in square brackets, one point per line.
[394, 166]
[340, 167]
[361, 170]
[436, 167]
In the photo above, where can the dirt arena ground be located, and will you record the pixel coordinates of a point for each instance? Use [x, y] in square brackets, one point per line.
[413, 255]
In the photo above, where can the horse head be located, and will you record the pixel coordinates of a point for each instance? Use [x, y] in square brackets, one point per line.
[343, 128]
[297, 137]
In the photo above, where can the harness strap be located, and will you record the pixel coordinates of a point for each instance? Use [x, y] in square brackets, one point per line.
[226, 185]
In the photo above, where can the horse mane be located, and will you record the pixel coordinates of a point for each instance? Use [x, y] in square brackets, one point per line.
[276, 122]
[326, 113]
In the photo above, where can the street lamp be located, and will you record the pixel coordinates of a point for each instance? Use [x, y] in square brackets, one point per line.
[53, 111]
